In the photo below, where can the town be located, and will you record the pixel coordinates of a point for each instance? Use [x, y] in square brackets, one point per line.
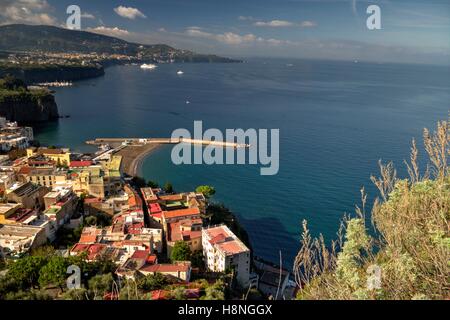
[85, 208]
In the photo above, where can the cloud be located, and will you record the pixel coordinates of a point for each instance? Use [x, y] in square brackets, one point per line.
[274, 23]
[87, 15]
[231, 38]
[26, 11]
[109, 31]
[129, 12]
[284, 23]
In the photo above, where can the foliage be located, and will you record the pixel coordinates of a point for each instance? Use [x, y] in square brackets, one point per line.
[168, 188]
[100, 284]
[25, 271]
[207, 191]
[76, 294]
[411, 250]
[180, 252]
[152, 282]
[197, 259]
[54, 272]
[179, 293]
[215, 291]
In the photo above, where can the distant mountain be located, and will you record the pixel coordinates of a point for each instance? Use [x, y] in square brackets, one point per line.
[20, 37]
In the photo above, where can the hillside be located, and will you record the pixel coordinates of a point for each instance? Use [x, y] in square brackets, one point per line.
[41, 38]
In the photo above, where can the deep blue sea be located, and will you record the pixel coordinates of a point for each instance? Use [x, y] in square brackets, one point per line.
[336, 120]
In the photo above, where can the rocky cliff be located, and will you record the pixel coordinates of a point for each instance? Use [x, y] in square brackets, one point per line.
[29, 107]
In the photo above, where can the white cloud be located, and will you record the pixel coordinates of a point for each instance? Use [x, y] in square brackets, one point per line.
[129, 12]
[26, 11]
[87, 15]
[232, 38]
[284, 23]
[308, 24]
[109, 31]
[274, 23]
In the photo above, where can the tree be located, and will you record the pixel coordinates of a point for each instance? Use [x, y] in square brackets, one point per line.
[54, 273]
[215, 291]
[90, 221]
[100, 284]
[179, 293]
[197, 259]
[180, 252]
[152, 282]
[168, 187]
[10, 82]
[207, 191]
[25, 271]
[152, 184]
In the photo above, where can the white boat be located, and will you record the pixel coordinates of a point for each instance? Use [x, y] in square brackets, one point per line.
[179, 72]
[148, 66]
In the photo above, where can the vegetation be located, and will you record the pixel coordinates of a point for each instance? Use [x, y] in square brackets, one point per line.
[207, 191]
[180, 252]
[409, 256]
[152, 282]
[168, 187]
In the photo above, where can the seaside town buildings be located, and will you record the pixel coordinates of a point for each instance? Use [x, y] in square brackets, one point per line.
[13, 136]
[53, 188]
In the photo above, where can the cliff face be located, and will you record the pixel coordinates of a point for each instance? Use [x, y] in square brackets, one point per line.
[27, 109]
[53, 73]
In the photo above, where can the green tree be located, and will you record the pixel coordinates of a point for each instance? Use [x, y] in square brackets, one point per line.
[179, 293]
[152, 184]
[25, 271]
[100, 284]
[197, 259]
[54, 273]
[180, 252]
[207, 191]
[90, 221]
[168, 187]
[152, 282]
[215, 291]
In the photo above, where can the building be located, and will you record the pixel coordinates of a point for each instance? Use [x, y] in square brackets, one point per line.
[179, 269]
[7, 211]
[178, 215]
[47, 177]
[28, 194]
[224, 251]
[13, 136]
[19, 239]
[188, 231]
[60, 156]
[60, 205]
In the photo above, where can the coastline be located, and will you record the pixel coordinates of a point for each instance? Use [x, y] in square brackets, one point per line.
[134, 156]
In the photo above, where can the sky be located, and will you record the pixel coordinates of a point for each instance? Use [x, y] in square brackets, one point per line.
[412, 31]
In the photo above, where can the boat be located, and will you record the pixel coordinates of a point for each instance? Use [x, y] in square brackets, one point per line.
[148, 66]
[179, 72]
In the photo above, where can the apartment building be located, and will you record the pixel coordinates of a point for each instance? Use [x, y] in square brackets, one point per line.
[224, 251]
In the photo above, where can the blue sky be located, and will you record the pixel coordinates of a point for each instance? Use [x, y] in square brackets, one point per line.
[415, 31]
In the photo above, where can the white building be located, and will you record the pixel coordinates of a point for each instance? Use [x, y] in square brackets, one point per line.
[223, 251]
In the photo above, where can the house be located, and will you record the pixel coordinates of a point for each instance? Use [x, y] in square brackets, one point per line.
[179, 269]
[186, 230]
[224, 251]
[28, 194]
[60, 156]
[17, 239]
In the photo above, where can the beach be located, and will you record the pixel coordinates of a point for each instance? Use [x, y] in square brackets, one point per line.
[133, 156]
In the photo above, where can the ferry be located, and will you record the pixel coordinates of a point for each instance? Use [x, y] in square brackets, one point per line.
[148, 66]
[179, 72]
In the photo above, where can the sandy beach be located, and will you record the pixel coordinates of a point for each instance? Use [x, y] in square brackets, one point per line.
[133, 156]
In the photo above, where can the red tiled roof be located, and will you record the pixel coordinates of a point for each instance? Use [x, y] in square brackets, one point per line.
[181, 213]
[218, 238]
[25, 170]
[140, 254]
[155, 208]
[162, 268]
[88, 238]
[77, 164]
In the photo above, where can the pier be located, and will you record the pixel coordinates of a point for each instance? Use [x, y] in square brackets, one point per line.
[143, 141]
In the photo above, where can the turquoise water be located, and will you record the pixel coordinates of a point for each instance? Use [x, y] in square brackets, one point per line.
[336, 119]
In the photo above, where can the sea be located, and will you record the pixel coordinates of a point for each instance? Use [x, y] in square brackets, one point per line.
[336, 120]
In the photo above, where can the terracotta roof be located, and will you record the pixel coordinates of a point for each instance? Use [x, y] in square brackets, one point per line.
[77, 164]
[166, 268]
[181, 213]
